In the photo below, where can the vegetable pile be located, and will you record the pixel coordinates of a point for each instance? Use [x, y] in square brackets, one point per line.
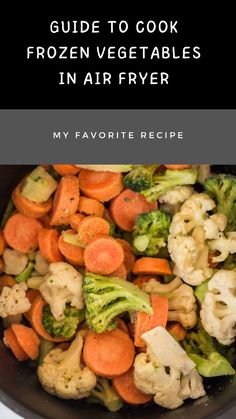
[118, 283]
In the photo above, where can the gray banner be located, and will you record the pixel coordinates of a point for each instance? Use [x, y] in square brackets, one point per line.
[117, 136]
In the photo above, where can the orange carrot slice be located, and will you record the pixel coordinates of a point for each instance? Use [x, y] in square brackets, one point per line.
[108, 354]
[2, 243]
[152, 266]
[103, 255]
[27, 207]
[27, 339]
[91, 206]
[127, 206]
[75, 220]
[177, 330]
[66, 200]
[141, 279]
[120, 272]
[102, 186]
[73, 254]
[66, 169]
[11, 342]
[177, 166]
[145, 322]
[21, 232]
[126, 389]
[91, 227]
[48, 244]
[6, 281]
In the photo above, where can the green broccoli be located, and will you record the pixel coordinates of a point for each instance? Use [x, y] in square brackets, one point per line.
[201, 348]
[66, 327]
[140, 178]
[26, 273]
[105, 394]
[151, 232]
[222, 188]
[106, 298]
[163, 182]
[201, 290]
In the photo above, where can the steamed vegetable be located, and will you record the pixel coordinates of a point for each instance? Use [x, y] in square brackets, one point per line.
[140, 178]
[151, 232]
[161, 183]
[222, 188]
[66, 327]
[201, 349]
[106, 298]
[38, 186]
[105, 394]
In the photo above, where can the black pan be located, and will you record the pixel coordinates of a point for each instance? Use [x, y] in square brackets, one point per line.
[20, 390]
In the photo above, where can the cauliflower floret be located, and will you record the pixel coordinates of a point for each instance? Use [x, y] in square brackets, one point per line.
[191, 386]
[14, 262]
[62, 285]
[41, 264]
[63, 375]
[13, 300]
[225, 244]
[218, 312]
[182, 302]
[187, 240]
[214, 225]
[171, 201]
[166, 371]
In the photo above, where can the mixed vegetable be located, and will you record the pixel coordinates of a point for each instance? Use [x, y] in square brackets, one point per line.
[118, 283]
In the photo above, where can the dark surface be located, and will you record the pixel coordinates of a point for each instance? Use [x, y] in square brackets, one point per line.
[20, 390]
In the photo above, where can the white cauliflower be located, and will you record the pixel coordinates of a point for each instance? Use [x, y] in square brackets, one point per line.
[14, 262]
[171, 200]
[218, 311]
[13, 300]
[41, 264]
[62, 285]
[224, 244]
[62, 373]
[166, 371]
[182, 302]
[190, 229]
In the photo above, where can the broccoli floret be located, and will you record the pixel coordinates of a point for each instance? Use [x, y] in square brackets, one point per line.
[161, 183]
[151, 232]
[201, 348]
[140, 178]
[105, 394]
[106, 298]
[201, 290]
[66, 327]
[222, 188]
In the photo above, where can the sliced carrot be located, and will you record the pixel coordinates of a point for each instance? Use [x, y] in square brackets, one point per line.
[11, 341]
[141, 279]
[6, 281]
[108, 354]
[152, 266]
[126, 389]
[178, 166]
[21, 232]
[36, 320]
[48, 244]
[66, 200]
[91, 227]
[66, 169]
[1, 265]
[73, 254]
[75, 220]
[177, 330]
[120, 272]
[103, 255]
[102, 186]
[2, 243]
[127, 206]
[129, 256]
[91, 206]
[31, 294]
[27, 207]
[122, 325]
[145, 322]
[27, 339]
